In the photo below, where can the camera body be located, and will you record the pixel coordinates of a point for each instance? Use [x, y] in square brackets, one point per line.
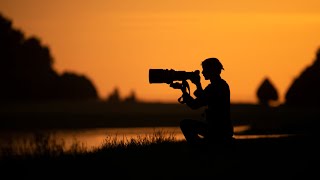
[168, 76]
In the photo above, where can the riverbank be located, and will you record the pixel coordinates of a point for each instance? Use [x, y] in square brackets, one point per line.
[287, 158]
[98, 114]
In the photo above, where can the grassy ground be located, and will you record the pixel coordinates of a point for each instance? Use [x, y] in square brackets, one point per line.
[157, 157]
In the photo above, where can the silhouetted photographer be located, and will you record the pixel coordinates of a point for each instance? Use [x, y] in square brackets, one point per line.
[216, 128]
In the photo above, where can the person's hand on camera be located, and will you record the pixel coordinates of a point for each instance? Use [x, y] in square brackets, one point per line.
[195, 79]
[176, 85]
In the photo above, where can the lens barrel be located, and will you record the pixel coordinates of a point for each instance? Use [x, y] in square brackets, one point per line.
[158, 76]
[168, 76]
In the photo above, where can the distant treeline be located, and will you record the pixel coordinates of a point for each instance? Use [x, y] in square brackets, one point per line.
[27, 74]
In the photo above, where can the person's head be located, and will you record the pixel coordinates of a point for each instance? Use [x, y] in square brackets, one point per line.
[211, 67]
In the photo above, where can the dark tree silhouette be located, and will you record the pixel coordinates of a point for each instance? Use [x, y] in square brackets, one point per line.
[76, 87]
[267, 93]
[26, 70]
[114, 97]
[305, 89]
[131, 98]
[36, 79]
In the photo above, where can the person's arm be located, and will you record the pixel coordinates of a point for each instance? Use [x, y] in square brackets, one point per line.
[199, 91]
[190, 101]
[194, 103]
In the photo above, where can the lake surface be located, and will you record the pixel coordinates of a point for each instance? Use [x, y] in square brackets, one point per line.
[93, 138]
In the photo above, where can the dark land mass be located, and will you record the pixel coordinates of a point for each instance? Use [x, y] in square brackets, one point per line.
[99, 114]
[294, 157]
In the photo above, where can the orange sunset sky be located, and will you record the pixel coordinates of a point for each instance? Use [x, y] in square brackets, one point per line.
[115, 42]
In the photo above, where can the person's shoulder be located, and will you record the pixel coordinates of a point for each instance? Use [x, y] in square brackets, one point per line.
[224, 83]
[209, 88]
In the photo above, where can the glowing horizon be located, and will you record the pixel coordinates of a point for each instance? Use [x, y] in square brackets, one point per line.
[115, 43]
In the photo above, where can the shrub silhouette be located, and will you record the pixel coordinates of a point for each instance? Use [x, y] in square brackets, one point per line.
[305, 89]
[267, 93]
[26, 70]
[73, 86]
[114, 96]
[131, 98]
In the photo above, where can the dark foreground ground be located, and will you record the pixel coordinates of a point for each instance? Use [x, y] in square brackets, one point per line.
[295, 157]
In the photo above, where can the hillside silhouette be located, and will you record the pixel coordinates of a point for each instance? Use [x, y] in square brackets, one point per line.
[27, 72]
[305, 89]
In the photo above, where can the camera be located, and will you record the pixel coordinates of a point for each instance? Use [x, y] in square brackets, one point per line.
[168, 76]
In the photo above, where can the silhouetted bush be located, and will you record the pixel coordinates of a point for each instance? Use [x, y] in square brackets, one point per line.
[114, 97]
[26, 70]
[267, 93]
[131, 98]
[74, 86]
[305, 89]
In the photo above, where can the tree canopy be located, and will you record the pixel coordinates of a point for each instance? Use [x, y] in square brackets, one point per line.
[267, 93]
[305, 89]
[27, 70]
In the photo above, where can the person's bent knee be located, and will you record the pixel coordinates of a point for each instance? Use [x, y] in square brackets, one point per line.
[185, 123]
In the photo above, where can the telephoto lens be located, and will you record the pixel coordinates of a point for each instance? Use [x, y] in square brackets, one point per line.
[159, 76]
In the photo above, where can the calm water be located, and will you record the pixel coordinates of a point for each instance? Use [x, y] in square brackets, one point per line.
[92, 138]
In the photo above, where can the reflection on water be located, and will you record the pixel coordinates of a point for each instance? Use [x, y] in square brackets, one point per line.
[92, 138]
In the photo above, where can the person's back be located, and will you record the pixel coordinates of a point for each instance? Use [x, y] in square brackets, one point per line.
[218, 112]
